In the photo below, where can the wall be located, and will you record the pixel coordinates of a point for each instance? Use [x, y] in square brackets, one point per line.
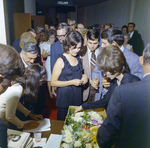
[119, 13]
[22, 22]
[2, 24]
[12, 6]
[30, 7]
[38, 20]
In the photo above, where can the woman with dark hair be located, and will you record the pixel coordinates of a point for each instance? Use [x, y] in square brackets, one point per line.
[113, 65]
[45, 53]
[28, 85]
[124, 29]
[108, 25]
[67, 75]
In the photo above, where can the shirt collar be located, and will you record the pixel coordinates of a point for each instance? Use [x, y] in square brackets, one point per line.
[146, 74]
[122, 48]
[90, 52]
[23, 62]
[131, 34]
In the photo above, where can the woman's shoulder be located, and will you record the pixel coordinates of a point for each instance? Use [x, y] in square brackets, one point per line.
[15, 89]
[60, 61]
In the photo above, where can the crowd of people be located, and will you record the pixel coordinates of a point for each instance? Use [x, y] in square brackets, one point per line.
[100, 66]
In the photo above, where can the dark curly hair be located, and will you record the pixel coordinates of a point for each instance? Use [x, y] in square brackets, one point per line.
[10, 64]
[72, 39]
[31, 80]
[43, 37]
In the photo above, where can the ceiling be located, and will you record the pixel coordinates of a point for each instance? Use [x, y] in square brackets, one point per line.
[78, 3]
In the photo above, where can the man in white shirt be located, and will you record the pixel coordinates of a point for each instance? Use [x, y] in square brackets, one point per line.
[93, 37]
[29, 53]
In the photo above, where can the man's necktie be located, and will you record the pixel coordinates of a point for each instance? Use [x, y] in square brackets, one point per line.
[93, 62]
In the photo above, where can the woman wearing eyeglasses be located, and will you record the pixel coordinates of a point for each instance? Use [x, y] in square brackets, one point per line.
[45, 46]
[67, 75]
[28, 85]
[112, 63]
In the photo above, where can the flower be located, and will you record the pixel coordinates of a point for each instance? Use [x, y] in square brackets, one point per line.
[68, 139]
[81, 130]
[88, 145]
[79, 114]
[77, 143]
[78, 119]
[64, 145]
[67, 133]
[85, 135]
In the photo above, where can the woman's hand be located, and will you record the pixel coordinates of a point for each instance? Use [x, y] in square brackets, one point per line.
[36, 117]
[48, 54]
[31, 125]
[84, 79]
[76, 82]
[94, 83]
[78, 109]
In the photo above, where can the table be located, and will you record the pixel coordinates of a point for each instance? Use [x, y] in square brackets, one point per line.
[56, 127]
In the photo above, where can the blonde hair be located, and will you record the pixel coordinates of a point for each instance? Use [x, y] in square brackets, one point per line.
[25, 38]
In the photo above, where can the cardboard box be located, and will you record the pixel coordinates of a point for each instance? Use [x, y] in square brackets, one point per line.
[100, 111]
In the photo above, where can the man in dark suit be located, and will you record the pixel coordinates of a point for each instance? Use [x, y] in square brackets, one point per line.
[128, 113]
[10, 66]
[56, 48]
[135, 39]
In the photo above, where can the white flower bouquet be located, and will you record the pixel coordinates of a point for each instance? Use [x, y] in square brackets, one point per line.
[80, 129]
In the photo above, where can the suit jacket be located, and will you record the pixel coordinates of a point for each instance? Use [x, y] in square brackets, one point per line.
[56, 50]
[103, 103]
[128, 117]
[3, 135]
[87, 71]
[137, 43]
[16, 45]
[133, 63]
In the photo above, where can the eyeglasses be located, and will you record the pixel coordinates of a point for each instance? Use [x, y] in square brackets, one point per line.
[71, 24]
[58, 36]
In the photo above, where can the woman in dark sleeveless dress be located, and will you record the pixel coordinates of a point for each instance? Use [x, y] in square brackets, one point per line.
[67, 75]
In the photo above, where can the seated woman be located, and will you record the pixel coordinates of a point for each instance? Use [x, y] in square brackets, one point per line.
[27, 85]
[67, 75]
[112, 63]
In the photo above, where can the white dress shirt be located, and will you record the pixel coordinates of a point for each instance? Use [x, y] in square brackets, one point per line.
[90, 54]
[131, 34]
[23, 61]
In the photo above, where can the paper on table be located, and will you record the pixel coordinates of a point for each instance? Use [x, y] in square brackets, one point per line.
[53, 141]
[40, 143]
[44, 125]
